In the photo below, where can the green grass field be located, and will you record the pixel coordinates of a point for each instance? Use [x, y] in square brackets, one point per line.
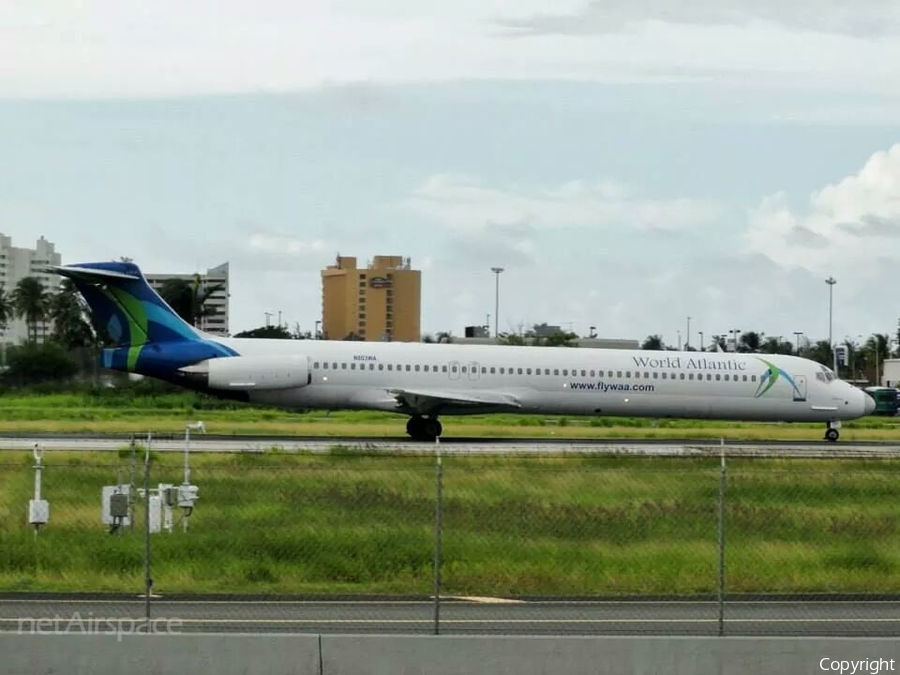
[346, 523]
[132, 410]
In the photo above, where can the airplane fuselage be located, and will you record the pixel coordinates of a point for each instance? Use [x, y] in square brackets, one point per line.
[560, 380]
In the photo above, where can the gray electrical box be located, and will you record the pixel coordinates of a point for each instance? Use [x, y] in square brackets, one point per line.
[114, 500]
[118, 505]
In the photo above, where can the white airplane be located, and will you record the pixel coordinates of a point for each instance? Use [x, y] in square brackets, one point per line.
[426, 381]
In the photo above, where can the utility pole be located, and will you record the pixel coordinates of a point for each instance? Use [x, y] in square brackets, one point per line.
[687, 337]
[831, 281]
[268, 316]
[496, 271]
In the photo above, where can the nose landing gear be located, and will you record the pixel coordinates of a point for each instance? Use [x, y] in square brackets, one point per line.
[831, 431]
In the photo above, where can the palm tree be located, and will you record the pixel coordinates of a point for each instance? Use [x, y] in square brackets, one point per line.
[201, 292]
[877, 349]
[71, 327]
[750, 341]
[6, 309]
[31, 300]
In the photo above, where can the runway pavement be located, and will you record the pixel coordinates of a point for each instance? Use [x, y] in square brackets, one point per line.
[474, 616]
[464, 446]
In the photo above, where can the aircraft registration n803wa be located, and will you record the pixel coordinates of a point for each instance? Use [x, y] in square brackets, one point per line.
[426, 381]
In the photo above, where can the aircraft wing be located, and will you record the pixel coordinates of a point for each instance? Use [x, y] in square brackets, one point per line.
[426, 401]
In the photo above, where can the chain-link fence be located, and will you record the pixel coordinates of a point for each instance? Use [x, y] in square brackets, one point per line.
[346, 542]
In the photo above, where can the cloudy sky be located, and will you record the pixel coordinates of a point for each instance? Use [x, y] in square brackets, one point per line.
[628, 166]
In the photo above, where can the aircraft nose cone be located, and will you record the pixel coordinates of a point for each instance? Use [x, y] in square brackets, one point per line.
[868, 404]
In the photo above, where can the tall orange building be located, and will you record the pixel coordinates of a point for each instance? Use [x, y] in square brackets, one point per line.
[381, 302]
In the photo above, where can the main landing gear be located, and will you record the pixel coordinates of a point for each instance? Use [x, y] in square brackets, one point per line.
[831, 431]
[423, 428]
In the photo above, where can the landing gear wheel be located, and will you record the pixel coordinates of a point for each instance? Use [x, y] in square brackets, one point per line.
[831, 434]
[431, 428]
[422, 428]
[414, 426]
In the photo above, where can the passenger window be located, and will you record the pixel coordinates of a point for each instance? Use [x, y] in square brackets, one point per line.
[344, 366]
[453, 369]
[528, 371]
[681, 376]
[464, 369]
[709, 377]
[665, 376]
[691, 376]
[334, 366]
[380, 366]
[417, 367]
[325, 365]
[565, 371]
[520, 371]
[592, 373]
[745, 378]
[316, 364]
[619, 373]
[390, 366]
[352, 366]
[443, 369]
[655, 375]
[627, 373]
[493, 370]
[718, 377]
[407, 367]
[753, 378]
[556, 371]
[483, 370]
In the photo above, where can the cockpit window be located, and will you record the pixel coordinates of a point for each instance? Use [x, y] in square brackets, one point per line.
[825, 374]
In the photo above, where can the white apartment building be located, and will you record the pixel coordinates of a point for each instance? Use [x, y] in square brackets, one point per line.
[217, 323]
[16, 264]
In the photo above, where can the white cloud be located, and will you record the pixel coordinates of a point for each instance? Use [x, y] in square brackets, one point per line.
[111, 48]
[871, 17]
[846, 228]
[467, 205]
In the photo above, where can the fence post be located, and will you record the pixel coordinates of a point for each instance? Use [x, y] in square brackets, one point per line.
[721, 584]
[148, 580]
[438, 517]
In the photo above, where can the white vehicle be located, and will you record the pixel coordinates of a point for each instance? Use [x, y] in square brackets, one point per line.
[426, 381]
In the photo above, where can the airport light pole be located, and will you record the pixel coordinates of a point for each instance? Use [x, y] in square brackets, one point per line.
[687, 337]
[701, 339]
[831, 281]
[496, 271]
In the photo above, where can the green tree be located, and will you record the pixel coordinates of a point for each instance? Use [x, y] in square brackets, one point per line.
[189, 299]
[775, 345]
[71, 327]
[274, 332]
[750, 341]
[31, 301]
[32, 363]
[177, 294]
[654, 343]
[7, 310]
[876, 349]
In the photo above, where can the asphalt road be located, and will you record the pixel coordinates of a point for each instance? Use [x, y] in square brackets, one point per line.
[462, 446]
[484, 616]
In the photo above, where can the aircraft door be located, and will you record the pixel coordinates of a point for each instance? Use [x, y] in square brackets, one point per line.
[474, 370]
[800, 390]
[453, 370]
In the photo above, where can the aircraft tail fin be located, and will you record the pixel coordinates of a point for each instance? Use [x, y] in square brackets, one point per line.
[125, 307]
